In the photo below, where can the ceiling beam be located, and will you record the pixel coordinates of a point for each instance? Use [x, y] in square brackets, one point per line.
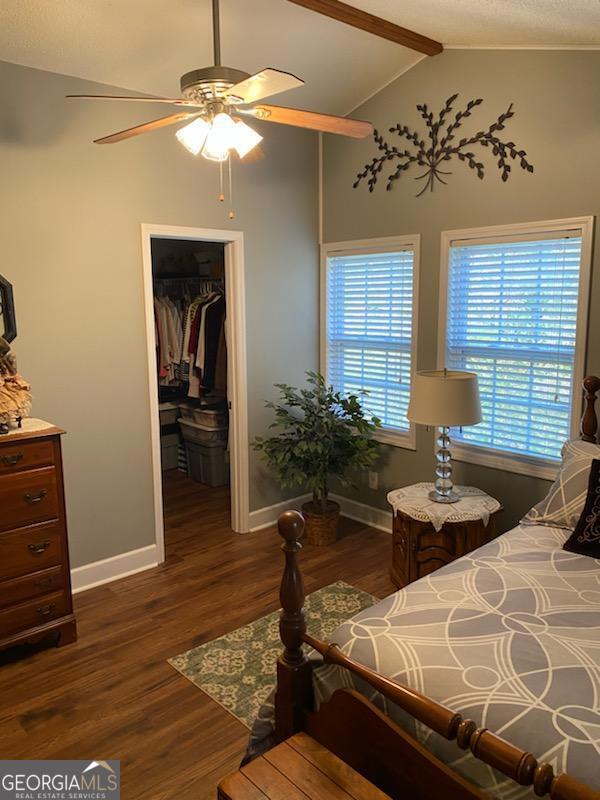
[372, 24]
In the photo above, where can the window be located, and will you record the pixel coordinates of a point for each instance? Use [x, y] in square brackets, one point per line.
[514, 304]
[369, 330]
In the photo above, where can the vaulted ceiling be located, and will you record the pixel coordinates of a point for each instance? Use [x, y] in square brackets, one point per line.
[145, 45]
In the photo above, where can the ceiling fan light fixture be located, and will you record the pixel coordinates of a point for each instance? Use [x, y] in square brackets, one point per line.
[215, 140]
[193, 136]
[246, 138]
[221, 138]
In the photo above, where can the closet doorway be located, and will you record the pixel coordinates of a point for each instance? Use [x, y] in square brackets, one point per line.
[196, 337]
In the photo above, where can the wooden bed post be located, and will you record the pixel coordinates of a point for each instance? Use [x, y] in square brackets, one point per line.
[294, 687]
[589, 420]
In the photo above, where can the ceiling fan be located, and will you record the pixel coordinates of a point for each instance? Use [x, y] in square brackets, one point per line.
[213, 97]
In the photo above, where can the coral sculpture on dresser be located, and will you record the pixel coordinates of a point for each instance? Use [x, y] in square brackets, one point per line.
[15, 392]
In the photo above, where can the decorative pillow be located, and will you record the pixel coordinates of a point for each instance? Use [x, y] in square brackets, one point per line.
[564, 503]
[585, 539]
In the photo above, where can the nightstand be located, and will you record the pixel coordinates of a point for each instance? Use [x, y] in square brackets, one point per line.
[426, 535]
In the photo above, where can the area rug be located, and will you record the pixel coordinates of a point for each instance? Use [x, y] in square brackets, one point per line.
[238, 669]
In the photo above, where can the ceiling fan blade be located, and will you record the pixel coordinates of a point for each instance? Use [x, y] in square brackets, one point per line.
[178, 101]
[265, 83]
[153, 125]
[345, 126]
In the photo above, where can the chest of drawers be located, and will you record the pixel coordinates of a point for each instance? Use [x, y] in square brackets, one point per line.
[35, 584]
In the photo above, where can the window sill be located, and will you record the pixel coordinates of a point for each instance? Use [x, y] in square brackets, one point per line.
[507, 462]
[403, 439]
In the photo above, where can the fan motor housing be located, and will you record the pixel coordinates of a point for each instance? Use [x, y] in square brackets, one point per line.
[210, 82]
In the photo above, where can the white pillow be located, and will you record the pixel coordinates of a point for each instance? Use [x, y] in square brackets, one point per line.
[563, 505]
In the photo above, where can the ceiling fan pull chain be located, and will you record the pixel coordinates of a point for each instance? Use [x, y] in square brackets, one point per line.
[222, 193]
[231, 212]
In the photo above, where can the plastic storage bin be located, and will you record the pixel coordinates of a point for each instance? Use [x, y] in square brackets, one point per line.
[208, 463]
[168, 413]
[169, 451]
[210, 417]
[200, 434]
[186, 411]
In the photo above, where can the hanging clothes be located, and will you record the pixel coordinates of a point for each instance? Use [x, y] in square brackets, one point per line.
[196, 337]
[201, 349]
[204, 340]
[165, 340]
[220, 386]
[160, 344]
[215, 319]
[190, 338]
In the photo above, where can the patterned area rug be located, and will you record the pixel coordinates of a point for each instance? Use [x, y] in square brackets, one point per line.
[238, 669]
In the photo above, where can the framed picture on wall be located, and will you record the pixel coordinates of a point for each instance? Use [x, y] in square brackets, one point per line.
[8, 322]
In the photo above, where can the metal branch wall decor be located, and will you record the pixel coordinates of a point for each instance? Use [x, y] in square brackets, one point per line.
[442, 147]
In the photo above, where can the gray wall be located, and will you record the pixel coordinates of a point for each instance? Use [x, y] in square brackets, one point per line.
[557, 121]
[70, 215]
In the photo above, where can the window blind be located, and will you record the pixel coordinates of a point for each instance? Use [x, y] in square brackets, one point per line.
[369, 330]
[512, 319]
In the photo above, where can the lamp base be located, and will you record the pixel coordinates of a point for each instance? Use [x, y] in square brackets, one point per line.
[437, 497]
[443, 491]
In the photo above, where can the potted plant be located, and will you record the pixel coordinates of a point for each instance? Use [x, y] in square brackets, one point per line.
[322, 434]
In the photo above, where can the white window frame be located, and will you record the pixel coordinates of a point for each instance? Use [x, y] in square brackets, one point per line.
[538, 467]
[406, 440]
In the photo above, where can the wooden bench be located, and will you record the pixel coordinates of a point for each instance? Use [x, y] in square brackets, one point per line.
[298, 769]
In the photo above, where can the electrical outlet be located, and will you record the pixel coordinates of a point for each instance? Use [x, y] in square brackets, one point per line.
[373, 480]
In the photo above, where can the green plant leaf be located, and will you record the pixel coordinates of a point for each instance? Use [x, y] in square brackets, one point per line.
[321, 434]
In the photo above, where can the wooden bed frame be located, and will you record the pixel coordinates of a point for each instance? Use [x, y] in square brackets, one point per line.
[361, 735]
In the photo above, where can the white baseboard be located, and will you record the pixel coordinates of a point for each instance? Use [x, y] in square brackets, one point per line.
[110, 569]
[373, 517]
[124, 564]
[267, 516]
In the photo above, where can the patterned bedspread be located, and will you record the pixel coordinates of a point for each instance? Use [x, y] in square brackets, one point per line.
[510, 637]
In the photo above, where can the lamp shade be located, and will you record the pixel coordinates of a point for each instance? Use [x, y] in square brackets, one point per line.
[444, 398]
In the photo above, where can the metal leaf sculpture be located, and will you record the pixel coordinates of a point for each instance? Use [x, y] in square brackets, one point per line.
[442, 147]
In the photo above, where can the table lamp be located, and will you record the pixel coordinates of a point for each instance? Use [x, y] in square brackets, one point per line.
[444, 399]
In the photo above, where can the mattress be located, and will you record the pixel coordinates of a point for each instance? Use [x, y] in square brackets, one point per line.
[509, 636]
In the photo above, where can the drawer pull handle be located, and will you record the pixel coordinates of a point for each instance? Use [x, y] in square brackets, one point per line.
[43, 583]
[39, 547]
[12, 461]
[36, 498]
[47, 609]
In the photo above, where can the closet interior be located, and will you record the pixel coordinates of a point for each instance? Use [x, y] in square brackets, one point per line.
[191, 362]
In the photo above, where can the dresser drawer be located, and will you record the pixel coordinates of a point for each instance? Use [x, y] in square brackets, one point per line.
[33, 613]
[28, 497]
[25, 455]
[19, 589]
[30, 550]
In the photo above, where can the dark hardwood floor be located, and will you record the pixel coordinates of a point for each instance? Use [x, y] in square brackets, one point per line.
[112, 693]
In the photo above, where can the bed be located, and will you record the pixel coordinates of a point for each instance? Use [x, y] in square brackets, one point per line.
[497, 652]
[508, 635]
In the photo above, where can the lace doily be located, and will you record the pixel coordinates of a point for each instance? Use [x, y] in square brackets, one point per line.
[414, 500]
[29, 425]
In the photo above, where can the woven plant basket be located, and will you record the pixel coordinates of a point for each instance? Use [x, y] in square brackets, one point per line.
[321, 528]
